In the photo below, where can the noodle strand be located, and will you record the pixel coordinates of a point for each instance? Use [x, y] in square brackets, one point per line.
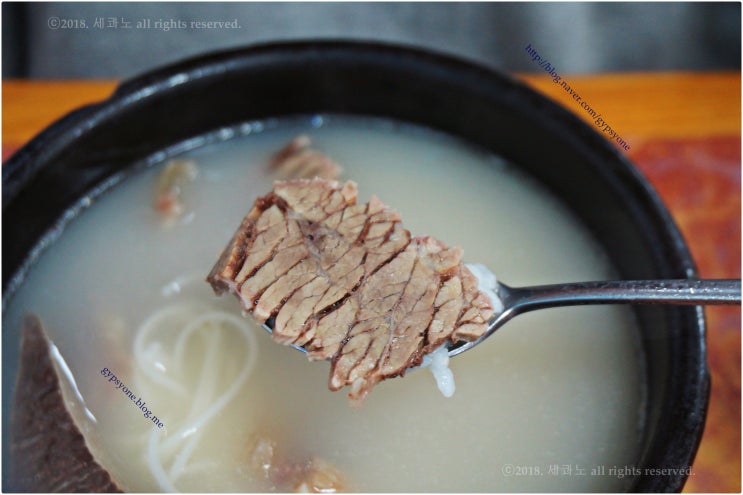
[184, 322]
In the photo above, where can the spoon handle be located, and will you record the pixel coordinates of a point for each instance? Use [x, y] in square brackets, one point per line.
[683, 292]
[517, 300]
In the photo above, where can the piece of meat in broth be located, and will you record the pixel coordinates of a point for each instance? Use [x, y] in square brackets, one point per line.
[168, 197]
[298, 160]
[348, 282]
[296, 474]
[48, 452]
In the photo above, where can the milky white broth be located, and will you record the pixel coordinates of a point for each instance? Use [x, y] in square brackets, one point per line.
[554, 388]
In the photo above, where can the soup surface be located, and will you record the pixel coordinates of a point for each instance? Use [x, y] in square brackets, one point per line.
[541, 406]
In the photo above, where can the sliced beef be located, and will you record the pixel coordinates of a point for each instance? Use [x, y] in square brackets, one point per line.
[348, 282]
[298, 160]
[48, 452]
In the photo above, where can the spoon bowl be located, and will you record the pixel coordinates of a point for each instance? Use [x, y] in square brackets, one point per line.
[514, 301]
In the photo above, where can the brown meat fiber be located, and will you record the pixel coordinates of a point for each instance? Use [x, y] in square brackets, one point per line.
[348, 282]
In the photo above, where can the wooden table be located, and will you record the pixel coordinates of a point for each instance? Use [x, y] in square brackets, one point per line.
[683, 131]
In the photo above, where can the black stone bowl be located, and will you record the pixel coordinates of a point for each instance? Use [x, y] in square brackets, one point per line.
[43, 180]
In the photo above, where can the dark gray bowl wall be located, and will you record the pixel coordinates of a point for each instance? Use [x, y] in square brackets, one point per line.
[603, 189]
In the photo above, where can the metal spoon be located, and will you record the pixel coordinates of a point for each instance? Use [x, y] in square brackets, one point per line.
[518, 300]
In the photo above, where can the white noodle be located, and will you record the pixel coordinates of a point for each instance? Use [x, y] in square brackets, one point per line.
[156, 467]
[182, 458]
[207, 377]
[144, 354]
[207, 384]
[194, 325]
[226, 397]
[185, 321]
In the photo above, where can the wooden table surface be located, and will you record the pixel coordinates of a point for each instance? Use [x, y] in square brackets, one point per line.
[684, 133]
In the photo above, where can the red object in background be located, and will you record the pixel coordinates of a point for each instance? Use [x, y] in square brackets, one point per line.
[706, 203]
